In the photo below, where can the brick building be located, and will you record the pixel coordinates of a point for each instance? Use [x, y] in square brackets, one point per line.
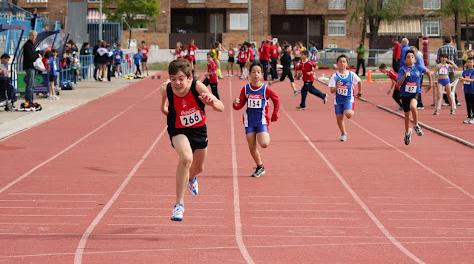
[323, 22]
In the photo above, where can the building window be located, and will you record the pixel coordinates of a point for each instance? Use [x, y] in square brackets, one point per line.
[94, 1]
[238, 21]
[431, 28]
[295, 4]
[431, 4]
[337, 4]
[36, 1]
[239, 1]
[196, 1]
[336, 27]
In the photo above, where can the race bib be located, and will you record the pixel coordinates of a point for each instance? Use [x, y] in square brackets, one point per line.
[191, 119]
[254, 103]
[343, 91]
[191, 53]
[443, 70]
[411, 88]
[117, 57]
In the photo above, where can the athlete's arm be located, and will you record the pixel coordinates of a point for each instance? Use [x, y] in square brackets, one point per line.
[332, 83]
[240, 101]
[164, 98]
[276, 103]
[208, 98]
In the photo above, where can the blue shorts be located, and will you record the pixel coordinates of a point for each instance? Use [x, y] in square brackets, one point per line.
[344, 106]
[256, 129]
[443, 82]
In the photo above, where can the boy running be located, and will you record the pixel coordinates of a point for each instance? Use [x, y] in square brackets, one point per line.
[396, 90]
[255, 96]
[409, 81]
[286, 63]
[308, 68]
[183, 101]
[342, 83]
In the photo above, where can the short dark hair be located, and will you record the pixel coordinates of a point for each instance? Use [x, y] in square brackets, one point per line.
[382, 66]
[305, 52]
[447, 40]
[180, 65]
[5, 56]
[470, 58]
[340, 57]
[409, 52]
[255, 64]
[444, 55]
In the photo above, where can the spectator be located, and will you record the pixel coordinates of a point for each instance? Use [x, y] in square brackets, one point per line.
[361, 58]
[96, 58]
[397, 52]
[34, 17]
[145, 51]
[452, 53]
[84, 60]
[405, 47]
[29, 56]
[137, 59]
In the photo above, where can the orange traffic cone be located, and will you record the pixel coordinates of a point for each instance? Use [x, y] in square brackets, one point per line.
[369, 76]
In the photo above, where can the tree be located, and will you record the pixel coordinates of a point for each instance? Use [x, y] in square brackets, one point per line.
[459, 9]
[137, 13]
[372, 12]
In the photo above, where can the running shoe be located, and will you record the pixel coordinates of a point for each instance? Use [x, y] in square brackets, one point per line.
[193, 186]
[436, 113]
[453, 111]
[407, 138]
[296, 92]
[420, 107]
[472, 121]
[300, 108]
[177, 213]
[259, 171]
[343, 137]
[418, 130]
[467, 121]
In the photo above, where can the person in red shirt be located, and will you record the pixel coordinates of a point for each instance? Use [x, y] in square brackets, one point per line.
[308, 79]
[183, 101]
[230, 60]
[255, 95]
[211, 75]
[397, 52]
[264, 58]
[145, 51]
[192, 54]
[396, 90]
[274, 55]
[242, 59]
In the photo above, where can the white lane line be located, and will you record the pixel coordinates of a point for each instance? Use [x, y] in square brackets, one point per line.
[157, 201]
[421, 164]
[311, 226]
[302, 210]
[85, 236]
[38, 215]
[292, 203]
[283, 246]
[305, 218]
[167, 209]
[170, 195]
[296, 196]
[235, 183]
[166, 225]
[434, 227]
[161, 216]
[427, 211]
[41, 224]
[47, 201]
[57, 194]
[47, 208]
[431, 219]
[414, 198]
[425, 204]
[355, 196]
[28, 173]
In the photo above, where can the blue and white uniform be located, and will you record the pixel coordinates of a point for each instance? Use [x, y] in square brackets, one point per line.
[255, 117]
[344, 99]
[411, 86]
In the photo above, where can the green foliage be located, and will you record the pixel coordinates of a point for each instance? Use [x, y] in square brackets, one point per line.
[115, 10]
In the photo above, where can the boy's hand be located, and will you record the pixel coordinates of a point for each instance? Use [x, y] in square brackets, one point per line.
[339, 84]
[206, 98]
[274, 117]
[407, 73]
[237, 101]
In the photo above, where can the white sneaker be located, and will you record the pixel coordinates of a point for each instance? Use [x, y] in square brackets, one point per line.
[407, 138]
[343, 137]
[177, 213]
[193, 186]
[471, 121]
[467, 121]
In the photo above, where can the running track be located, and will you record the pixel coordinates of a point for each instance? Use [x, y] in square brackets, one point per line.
[96, 185]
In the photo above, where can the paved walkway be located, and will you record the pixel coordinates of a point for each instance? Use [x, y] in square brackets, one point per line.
[84, 92]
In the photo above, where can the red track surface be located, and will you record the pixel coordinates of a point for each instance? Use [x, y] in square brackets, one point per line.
[96, 185]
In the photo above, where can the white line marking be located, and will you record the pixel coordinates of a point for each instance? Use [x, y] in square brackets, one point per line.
[41, 224]
[49, 215]
[292, 203]
[235, 184]
[426, 211]
[414, 198]
[160, 216]
[354, 195]
[421, 164]
[82, 243]
[283, 246]
[302, 210]
[167, 209]
[296, 196]
[28, 173]
[423, 204]
[311, 226]
[43, 207]
[48, 201]
[167, 225]
[431, 219]
[170, 195]
[58, 194]
[433, 227]
[305, 218]
[156, 201]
